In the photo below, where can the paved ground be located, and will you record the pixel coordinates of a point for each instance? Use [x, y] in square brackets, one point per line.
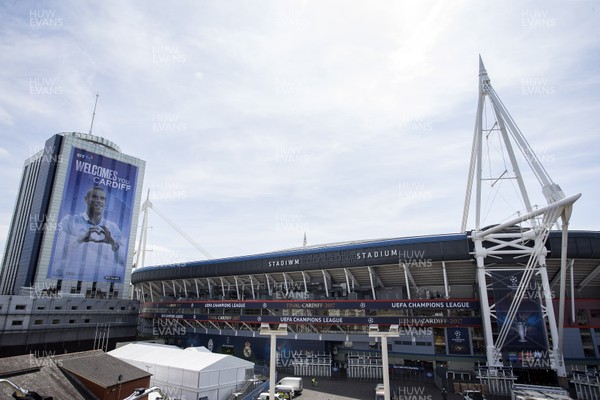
[342, 389]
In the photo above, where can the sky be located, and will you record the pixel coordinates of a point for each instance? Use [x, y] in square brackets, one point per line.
[261, 121]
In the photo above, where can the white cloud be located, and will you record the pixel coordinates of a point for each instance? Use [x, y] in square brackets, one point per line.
[258, 120]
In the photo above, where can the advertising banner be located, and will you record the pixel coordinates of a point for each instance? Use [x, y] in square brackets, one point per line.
[404, 322]
[95, 219]
[458, 341]
[458, 304]
[528, 331]
[257, 348]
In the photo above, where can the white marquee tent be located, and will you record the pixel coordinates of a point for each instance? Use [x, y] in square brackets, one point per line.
[193, 373]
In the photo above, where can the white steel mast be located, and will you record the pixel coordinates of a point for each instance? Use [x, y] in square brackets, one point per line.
[499, 241]
[146, 206]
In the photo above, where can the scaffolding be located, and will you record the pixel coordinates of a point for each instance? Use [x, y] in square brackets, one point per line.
[498, 380]
[315, 364]
[364, 366]
[587, 384]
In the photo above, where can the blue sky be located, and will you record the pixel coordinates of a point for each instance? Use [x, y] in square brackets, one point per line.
[260, 121]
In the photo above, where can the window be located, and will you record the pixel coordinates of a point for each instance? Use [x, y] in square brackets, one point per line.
[73, 307]
[20, 307]
[55, 321]
[71, 321]
[17, 323]
[87, 320]
[88, 307]
[58, 307]
[41, 307]
[38, 322]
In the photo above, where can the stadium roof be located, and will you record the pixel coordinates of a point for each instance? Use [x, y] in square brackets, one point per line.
[383, 255]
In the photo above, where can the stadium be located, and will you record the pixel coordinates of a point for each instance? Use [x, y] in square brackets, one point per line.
[513, 302]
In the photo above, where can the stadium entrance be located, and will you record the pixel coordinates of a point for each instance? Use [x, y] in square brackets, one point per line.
[412, 371]
[533, 376]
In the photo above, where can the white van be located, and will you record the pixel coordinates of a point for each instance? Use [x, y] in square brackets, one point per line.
[285, 391]
[296, 383]
[265, 396]
[379, 392]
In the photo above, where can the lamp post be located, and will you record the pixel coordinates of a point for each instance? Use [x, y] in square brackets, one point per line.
[393, 332]
[281, 330]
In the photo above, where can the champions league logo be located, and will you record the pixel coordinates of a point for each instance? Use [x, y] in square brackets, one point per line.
[458, 341]
[458, 337]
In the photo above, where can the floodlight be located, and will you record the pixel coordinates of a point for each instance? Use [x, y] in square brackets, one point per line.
[282, 327]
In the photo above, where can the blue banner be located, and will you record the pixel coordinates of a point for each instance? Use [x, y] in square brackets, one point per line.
[527, 331]
[458, 341]
[456, 304]
[95, 219]
[320, 320]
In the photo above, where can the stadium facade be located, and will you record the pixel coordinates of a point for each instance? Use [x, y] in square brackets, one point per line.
[511, 302]
[66, 269]
[330, 295]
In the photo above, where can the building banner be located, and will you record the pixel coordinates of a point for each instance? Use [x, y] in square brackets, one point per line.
[458, 341]
[528, 331]
[456, 304]
[405, 322]
[94, 219]
[257, 348]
